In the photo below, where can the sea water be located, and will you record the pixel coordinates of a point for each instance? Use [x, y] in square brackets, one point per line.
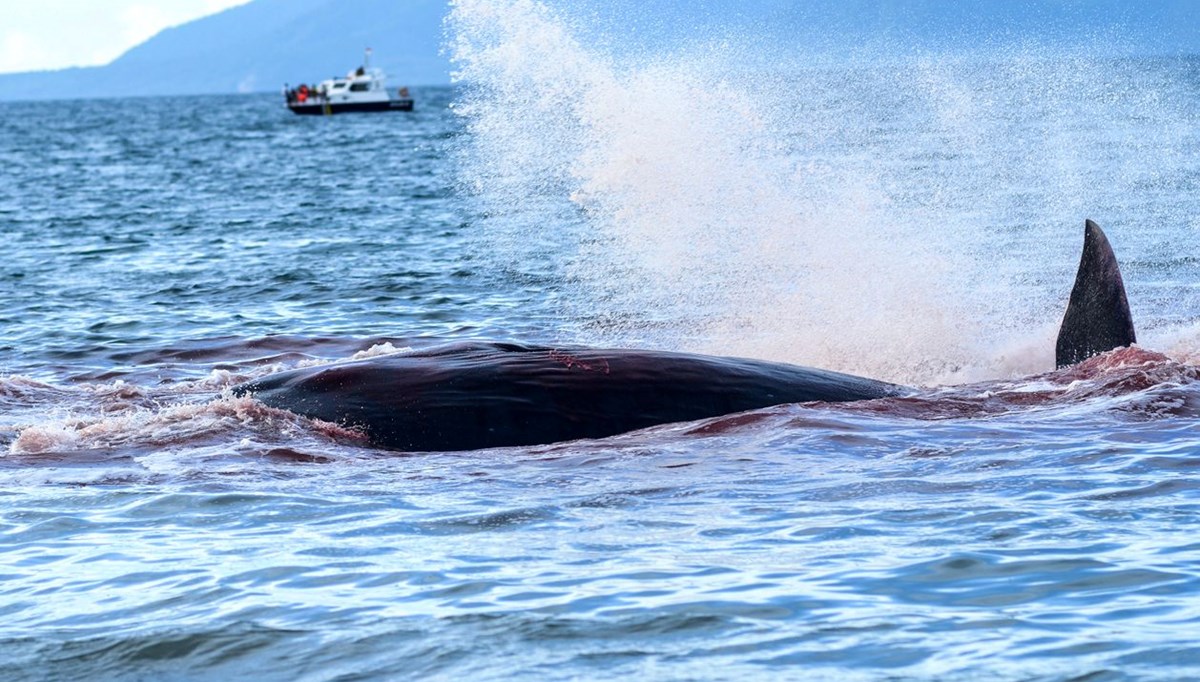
[917, 220]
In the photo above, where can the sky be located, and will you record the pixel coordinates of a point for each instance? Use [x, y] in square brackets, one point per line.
[54, 34]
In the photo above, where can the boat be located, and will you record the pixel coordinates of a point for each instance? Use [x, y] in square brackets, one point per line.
[363, 89]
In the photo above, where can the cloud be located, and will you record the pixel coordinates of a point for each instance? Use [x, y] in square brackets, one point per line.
[18, 49]
[52, 34]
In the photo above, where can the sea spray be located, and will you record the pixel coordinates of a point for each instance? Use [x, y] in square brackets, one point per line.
[700, 228]
[697, 200]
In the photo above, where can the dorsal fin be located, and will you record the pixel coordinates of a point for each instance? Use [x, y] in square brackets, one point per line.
[1097, 318]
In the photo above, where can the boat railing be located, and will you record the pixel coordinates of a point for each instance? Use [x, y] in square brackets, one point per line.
[305, 95]
[295, 97]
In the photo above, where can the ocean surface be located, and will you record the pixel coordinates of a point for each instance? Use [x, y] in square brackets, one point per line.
[917, 220]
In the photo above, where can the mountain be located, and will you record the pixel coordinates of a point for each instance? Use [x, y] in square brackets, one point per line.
[266, 43]
[259, 47]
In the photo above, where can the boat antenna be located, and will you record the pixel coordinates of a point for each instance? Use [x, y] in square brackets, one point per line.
[367, 59]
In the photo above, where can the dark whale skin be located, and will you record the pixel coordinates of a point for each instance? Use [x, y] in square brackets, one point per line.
[470, 396]
[1097, 319]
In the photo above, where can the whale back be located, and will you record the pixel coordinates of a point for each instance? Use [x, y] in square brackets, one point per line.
[475, 395]
[1097, 318]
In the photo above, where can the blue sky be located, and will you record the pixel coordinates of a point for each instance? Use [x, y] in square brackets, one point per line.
[53, 34]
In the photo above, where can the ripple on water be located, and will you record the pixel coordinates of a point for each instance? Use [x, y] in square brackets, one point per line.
[1042, 528]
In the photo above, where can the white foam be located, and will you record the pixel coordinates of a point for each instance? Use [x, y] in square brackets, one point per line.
[172, 425]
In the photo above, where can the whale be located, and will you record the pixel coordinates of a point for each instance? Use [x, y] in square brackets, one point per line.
[1097, 319]
[476, 395]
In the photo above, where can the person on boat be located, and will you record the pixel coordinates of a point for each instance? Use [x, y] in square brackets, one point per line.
[302, 94]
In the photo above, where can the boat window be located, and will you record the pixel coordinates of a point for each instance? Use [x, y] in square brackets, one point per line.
[360, 87]
[338, 86]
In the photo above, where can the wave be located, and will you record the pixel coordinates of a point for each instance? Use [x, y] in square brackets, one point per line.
[192, 412]
[226, 419]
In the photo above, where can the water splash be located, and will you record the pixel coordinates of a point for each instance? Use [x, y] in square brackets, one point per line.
[186, 425]
[186, 414]
[913, 218]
